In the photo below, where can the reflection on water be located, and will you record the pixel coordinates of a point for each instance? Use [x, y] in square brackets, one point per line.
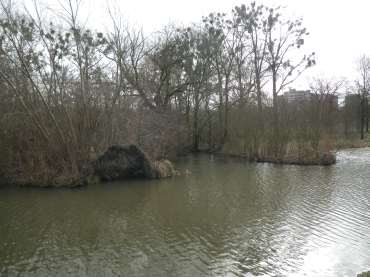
[228, 218]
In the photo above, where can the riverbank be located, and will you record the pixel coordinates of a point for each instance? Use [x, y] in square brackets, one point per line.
[352, 143]
[292, 154]
[323, 159]
[115, 164]
[140, 166]
[298, 154]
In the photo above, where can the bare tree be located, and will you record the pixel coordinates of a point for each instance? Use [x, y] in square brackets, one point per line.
[363, 85]
[325, 102]
[251, 20]
[283, 36]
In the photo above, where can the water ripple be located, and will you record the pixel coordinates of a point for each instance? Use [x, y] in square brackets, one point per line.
[228, 218]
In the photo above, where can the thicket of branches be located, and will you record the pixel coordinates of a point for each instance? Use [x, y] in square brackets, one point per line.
[68, 92]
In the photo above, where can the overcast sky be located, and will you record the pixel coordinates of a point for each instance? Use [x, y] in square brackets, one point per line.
[339, 29]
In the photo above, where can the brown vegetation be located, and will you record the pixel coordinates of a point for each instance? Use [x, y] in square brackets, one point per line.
[68, 93]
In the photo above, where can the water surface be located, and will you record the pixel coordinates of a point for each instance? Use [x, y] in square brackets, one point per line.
[228, 218]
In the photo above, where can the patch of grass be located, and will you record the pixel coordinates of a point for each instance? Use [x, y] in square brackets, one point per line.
[346, 143]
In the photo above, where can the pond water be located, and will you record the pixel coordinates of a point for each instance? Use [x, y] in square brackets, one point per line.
[226, 218]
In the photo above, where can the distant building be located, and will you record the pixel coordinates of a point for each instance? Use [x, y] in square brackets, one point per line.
[352, 100]
[294, 95]
[352, 113]
[329, 100]
[305, 96]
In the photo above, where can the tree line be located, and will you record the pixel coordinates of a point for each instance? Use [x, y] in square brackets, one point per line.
[68, 92]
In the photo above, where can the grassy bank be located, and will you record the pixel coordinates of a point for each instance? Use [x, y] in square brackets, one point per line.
[302, 153]
[296, 153]
[352, 143]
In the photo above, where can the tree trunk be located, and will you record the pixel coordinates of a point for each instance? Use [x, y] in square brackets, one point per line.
[275, 116]
[362, 117]
[367, 114]
[209, 121]
[195, 122]
[221, 103]
[226, 111]
[259, 94]
[275, 102]
[259, 103]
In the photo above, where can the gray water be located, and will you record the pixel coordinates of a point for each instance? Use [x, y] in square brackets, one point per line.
[227, 218]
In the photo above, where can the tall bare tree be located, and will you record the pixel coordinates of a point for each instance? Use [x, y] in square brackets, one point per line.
[363, 85]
